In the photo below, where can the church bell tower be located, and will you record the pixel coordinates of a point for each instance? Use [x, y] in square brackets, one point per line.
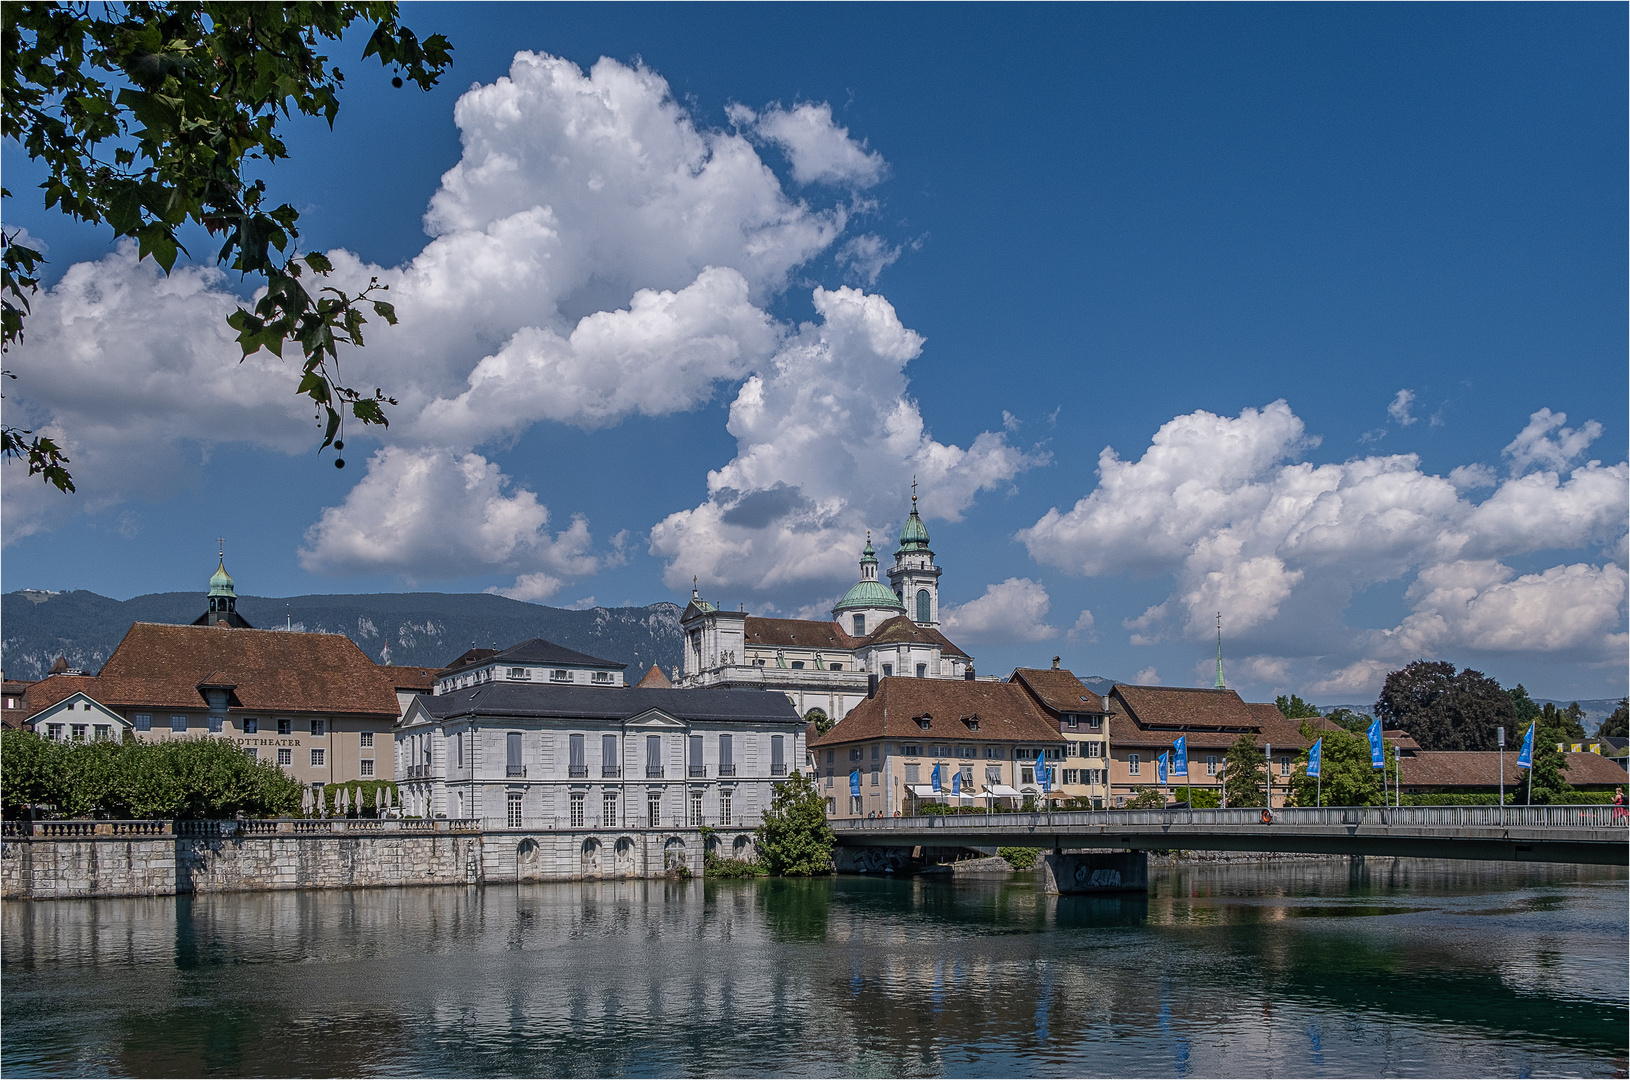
[915, 578]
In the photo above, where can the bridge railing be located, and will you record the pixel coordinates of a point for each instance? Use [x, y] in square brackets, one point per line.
[1427, 817]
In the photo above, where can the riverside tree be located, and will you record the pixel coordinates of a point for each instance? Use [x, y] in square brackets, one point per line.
[794, 839]
[1245, 773]
[183, 778]
[1443, 710]
[146, 117]
[1349, 779]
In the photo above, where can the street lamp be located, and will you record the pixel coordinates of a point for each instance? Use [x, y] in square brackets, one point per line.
[1499, 738]
[1268, 753]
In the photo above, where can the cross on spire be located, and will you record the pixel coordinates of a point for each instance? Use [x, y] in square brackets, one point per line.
[220, 543]
[913, 489]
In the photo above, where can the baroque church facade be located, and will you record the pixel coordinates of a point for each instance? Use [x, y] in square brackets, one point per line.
[876, 631]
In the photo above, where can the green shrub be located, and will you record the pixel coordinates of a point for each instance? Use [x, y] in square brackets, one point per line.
[718, 866]
[1197, 798]
[1020, 858]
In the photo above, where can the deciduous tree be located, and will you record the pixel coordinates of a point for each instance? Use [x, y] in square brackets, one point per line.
[1293, 707]
[1443, 710]
[1617, 724]
[1348, 777]
[794, 839]
[147, 117]
[1245, 773]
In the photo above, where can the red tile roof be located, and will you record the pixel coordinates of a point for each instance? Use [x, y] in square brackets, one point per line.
[1058, 690]
[655, 678]
[795, 633]
[1003, 711]
[409, 678]
[1182, 706]
[161, 666]
[1481, 768]
[1212, 719]
[824, 634]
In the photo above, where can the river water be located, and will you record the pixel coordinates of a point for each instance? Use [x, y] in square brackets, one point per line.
[1396, 968]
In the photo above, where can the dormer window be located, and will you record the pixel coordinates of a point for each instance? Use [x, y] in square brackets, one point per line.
[924, 721]
[602, 676]
[1074, 720]
[972, 722]
[520, 673]
[560, 675]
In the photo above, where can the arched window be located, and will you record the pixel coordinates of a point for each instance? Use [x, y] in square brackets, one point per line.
[923, 603]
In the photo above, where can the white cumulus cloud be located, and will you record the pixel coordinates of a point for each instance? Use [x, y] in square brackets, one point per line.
[435, 508]
[1280, 546]
[1545, 442]
[1399, 409]
[827, 443]
[1012, 610]
[819, 151]
[593, 255]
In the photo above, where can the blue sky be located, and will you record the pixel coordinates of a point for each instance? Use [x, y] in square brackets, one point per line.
[1315, 274]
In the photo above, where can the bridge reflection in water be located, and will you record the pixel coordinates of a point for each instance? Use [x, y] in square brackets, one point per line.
[1565, 834]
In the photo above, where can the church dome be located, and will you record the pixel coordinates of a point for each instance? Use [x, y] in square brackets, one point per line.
[869, 594]
[914, 534]
[220, 582]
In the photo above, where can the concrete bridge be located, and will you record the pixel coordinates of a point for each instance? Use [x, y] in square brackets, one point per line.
[1572, 834]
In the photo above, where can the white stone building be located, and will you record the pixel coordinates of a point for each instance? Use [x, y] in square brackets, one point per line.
[598, 760]
[876, 631]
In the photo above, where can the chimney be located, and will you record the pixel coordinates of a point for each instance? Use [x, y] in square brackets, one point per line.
[969, 675]
[1055, 663]
[871, 685]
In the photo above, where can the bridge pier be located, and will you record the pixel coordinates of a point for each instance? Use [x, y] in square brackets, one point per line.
[1077, 872]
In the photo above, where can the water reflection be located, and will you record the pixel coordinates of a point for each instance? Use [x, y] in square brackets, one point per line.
[1295, 969]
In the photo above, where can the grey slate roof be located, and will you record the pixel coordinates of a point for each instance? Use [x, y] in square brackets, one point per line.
[523, 700]
[539, 651]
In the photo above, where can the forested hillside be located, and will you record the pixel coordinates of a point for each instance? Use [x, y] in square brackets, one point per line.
[395, 628]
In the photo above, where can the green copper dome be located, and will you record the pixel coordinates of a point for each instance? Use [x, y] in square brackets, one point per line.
[220, 582]
[870, 594]
[914, 534]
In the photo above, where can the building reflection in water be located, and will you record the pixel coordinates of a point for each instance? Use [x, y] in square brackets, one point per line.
[1220, 970]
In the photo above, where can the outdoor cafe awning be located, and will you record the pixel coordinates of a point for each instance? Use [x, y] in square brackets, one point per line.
[1002, 791]
[923, 791]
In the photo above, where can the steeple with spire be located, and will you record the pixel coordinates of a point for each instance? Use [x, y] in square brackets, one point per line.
[222, 596]
[1220, 684]
[914, 576]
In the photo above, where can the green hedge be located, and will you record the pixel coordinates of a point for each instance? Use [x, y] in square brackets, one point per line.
[180, 778]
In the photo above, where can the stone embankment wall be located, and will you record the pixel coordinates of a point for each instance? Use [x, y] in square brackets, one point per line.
[148, 859]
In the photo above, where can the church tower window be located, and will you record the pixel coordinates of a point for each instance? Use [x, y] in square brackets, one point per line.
[924, 606]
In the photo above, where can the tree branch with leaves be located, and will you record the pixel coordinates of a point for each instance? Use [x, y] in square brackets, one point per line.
[147, 117]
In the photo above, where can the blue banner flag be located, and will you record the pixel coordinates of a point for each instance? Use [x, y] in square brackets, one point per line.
[854, 782]
[1041, 770]
[956, 784]
[1378, 757]
[1160, 767]
[1313, 756]
[934, 779]
[1180, 756]
[1525, 756]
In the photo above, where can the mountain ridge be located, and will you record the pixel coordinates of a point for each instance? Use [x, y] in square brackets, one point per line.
[415, 629]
